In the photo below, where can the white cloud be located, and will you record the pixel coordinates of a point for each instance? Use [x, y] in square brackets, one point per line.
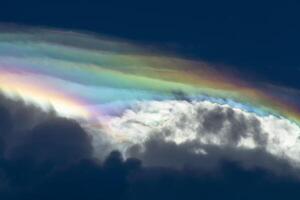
[207, 123]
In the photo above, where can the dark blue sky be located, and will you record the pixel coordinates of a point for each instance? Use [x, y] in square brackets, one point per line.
[258, 37]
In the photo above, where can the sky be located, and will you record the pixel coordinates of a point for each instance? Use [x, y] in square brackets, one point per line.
[149, 100]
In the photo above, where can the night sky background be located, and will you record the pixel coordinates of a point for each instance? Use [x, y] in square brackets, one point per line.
[259, 39]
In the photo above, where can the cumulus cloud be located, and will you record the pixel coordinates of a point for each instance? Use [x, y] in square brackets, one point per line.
[48, 157]
[203, 129]
[175, 133]
[30, 133]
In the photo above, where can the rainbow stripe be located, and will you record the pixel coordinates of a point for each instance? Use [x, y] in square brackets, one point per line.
[85, 76]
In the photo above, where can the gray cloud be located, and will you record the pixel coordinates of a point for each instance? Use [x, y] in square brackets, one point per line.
[219, 132]
[58, 140]
[22, 114]
[27, 132]
[48, 157]
[232, 126]
[157, 152]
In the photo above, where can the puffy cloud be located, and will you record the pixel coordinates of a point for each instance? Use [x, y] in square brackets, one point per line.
[201, 128]
[58, 141]
[48, 157]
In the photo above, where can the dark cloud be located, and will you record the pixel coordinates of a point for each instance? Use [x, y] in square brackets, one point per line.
[5, 127]
[126, 179]
[52, 158]
[57, 140]
[35, 143]
[26, 115]
[207, 158]
[232, 125]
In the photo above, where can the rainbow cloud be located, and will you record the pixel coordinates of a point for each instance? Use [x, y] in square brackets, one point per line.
[109, 85]
[87, 76]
